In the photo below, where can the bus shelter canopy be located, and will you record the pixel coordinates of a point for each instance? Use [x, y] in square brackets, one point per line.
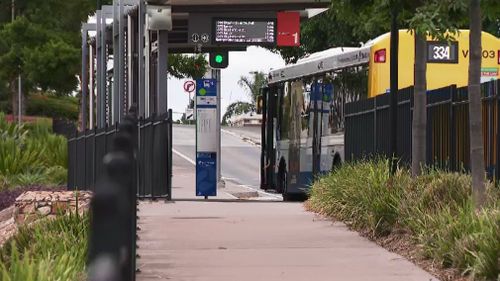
[237, 5]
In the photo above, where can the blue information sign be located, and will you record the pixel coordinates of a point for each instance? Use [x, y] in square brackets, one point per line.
[206, 174]
[206, 140]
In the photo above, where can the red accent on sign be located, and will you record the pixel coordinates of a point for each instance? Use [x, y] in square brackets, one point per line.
[189, 86]
[288, 29]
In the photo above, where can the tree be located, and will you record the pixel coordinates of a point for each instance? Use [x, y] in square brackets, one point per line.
[253, 84]
[236, 108]
[43, 45]
[475, 106]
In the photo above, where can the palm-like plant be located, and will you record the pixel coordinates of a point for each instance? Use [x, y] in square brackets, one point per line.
[253, 84]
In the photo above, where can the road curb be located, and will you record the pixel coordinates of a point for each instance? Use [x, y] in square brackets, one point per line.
[242, 137]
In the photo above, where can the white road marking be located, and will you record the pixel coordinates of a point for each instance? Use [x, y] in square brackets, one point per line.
[184, 157]
[194, 163]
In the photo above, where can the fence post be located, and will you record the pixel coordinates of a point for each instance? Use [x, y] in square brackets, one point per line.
[375, 109]
[170, 138]
[497, 97]
[453, 130]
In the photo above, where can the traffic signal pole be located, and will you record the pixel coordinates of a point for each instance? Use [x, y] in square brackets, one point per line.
[217, 75]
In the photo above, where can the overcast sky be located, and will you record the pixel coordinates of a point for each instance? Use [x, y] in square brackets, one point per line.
[240, 64]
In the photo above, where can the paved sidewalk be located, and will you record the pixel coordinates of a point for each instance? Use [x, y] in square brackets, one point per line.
[195, 240]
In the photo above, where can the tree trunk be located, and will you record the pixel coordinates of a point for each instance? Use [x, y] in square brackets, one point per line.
[14, 92]
[419, 125]
[14, 97]
[475, 120]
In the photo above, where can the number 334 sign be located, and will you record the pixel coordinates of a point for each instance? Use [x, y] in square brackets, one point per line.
[442, 52]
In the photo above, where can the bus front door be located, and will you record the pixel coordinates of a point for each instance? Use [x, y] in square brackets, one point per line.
[268, 146]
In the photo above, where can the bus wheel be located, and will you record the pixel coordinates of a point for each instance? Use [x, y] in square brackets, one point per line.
[336, 162]
[286, 196]
[282, 177]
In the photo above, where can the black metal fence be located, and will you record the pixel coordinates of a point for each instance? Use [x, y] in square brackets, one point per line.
[367, 130]
[86, 151]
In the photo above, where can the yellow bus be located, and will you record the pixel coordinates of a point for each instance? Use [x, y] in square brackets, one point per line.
[447, 63]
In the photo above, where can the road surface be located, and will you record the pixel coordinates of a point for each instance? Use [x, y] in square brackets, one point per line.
[240, 159]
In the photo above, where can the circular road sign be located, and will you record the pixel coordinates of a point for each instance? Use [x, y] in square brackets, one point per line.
[189, 86]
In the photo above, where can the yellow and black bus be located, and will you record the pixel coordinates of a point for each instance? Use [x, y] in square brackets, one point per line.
[302, 129]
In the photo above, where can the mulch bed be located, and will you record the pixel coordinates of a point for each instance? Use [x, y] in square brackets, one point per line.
[8, 197]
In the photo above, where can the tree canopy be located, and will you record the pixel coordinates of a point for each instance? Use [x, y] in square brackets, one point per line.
[349, 22]
[253, 84]
[43, 44]
[237, 108]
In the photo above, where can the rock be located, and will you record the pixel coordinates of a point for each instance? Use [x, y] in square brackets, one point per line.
[30, 205]
[44, 211]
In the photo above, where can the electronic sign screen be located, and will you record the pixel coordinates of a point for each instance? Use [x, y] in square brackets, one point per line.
[244, 31]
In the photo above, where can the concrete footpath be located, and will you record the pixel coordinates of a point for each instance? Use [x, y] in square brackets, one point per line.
[227, 240]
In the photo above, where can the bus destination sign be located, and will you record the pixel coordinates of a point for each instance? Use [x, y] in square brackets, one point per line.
[442, 52]
[245, 31]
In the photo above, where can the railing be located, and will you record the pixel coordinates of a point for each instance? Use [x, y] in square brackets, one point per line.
[86, 151]
[366, 132]
[120, 164]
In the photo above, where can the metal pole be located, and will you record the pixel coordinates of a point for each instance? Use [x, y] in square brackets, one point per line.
[20, 97]
[104, 98]
[141, 23]
[85, 75]
[116, 65]
[162, 72]
[217, 73]
[91, 87]
[98, 46]
[394, 84]
[130, 57]
[147, 71]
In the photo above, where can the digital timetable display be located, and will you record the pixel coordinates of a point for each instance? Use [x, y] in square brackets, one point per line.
[245, 31]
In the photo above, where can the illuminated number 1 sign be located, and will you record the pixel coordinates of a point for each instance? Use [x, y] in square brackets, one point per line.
[288, 29]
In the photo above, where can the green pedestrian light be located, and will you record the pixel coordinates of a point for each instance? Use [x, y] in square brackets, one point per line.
[219, 59]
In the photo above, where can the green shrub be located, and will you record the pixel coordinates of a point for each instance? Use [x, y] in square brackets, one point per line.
[53, 106]
[49, 250]
[435, 208]
[56, 175]
[29, 152]
[358, 193]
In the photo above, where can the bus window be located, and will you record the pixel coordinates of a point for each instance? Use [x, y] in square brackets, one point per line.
[284, 109]
[296, 110]
[304, 99]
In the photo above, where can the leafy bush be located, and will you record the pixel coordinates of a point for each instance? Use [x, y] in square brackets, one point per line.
[52, 106]
[50, 250]
[31, 154]
[435, 208]
[358, 193]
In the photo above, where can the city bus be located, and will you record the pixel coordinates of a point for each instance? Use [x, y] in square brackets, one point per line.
[303, 104]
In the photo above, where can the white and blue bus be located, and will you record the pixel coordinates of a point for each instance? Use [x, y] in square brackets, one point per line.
[302, 128]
